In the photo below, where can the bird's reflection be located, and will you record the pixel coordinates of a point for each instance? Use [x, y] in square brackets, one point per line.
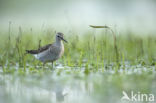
[60, 93]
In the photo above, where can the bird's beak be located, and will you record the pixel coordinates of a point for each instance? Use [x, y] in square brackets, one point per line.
[64, 40]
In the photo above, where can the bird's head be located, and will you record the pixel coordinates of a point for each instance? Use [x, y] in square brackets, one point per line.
[59, 36]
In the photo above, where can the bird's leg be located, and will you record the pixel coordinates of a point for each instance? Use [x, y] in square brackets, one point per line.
[52, 64]
[43, 65]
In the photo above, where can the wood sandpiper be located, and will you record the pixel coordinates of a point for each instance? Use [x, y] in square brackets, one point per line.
[50, 52]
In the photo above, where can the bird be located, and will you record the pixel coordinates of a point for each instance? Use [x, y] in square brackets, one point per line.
[50, 52]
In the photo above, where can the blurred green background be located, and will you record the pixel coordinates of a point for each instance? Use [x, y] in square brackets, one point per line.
[134, 15]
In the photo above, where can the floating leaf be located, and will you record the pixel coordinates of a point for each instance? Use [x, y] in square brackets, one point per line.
[93, 26]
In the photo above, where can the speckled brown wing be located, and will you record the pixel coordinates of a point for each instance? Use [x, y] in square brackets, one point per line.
[39, 50]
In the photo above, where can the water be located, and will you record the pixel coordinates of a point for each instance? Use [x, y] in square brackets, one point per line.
[72, 85]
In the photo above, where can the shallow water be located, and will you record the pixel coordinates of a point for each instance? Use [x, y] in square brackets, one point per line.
[72, 85]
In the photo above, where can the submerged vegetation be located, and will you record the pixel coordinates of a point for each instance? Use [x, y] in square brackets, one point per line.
[92, 49]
